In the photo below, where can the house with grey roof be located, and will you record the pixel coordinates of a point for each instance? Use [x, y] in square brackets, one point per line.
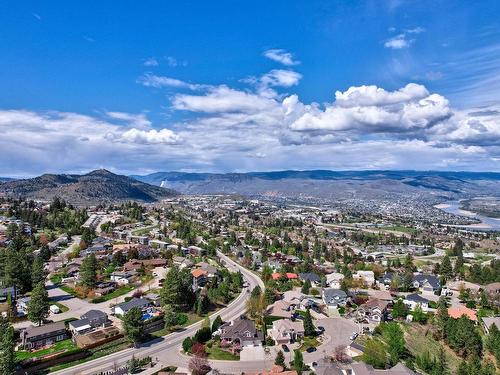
[427, 284]
[334, 298]
[45, 335]
[89, 321]
[123, 308]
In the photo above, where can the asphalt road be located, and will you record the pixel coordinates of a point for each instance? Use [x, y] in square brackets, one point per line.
[167, 349]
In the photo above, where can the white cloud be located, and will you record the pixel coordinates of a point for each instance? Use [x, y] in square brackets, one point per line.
[223, 99]
[152, 80]
[281, 56]
[151, 61]
[132, 119]
[398, 42]
[280, 77]
[163, 136]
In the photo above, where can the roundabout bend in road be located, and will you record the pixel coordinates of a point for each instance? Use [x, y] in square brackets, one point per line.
[167, 348]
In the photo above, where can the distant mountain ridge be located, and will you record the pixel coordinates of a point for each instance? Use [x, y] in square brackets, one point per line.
[99, 186]
[331, 184]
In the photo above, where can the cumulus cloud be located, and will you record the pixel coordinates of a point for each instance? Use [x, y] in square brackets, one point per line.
[221, 128]
[163, 136]
[369, 109]
[281, 56]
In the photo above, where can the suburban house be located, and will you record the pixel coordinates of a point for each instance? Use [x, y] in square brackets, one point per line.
[457, 312]
[200, 278]
[125, 307]
[123, 277]
[239, 333]
[287, 275]
[334, 298]
[182, 262]
[373, 311]
[367, 277]
[275, 370]
[104, 287]
[280, 308]
[386, 278]
[209, 269]
[313, 278]
[9, 292]
[414, 300]
[89, 321]
[334, 280]
[285, 331]
[136, 264]
[427, 284]
[45, 335]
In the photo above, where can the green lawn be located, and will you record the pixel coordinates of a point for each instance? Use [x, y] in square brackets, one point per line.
[100, 351]
[215, 352]
[68, 289]
[308, 342]
[60, 346]
[117, 293]
[143, 231]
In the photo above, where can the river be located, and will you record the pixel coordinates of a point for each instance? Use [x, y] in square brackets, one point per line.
[487, 223]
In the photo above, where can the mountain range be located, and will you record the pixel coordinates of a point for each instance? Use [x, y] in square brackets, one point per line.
[99, 186]
[327, 184]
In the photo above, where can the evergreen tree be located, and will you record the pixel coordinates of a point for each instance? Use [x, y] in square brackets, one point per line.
[280, 359]
[306, 287]
[177, 290]
[446, 268]
[170, 317]
[394, 337]
[399, 310]
[375, 354]
[133, 325]
[309, 329]
[38, 306]
[298, 361]
[37, 271]
[7, 354]
[88, 271]
[216, 323]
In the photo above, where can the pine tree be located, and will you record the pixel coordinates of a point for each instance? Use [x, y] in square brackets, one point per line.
[216, 323]
[170, 317]
[133, 324]
[88, 271]
[38, 306]
[306, 287]
[298, 361]
[280, 359]
[309, 329]
[37, 271]
[446, 268]
[7, 355]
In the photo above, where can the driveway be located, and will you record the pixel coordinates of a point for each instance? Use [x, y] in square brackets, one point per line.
[337, 332]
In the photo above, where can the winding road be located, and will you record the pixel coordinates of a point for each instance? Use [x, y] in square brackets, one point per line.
[167, 348]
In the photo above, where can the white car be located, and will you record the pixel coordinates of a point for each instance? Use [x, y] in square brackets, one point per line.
[353, 336]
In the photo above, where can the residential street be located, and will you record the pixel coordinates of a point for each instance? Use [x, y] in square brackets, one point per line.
[166, 349]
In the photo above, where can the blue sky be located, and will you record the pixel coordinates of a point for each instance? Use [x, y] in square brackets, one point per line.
[235, 86]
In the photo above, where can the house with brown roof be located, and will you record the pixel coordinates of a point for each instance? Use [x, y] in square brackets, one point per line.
[200, 278]
[275, 370]
[457, 312]
[373, 311]
[239, 333]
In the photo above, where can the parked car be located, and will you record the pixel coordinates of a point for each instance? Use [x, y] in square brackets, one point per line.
[285, 348]
[353, 336]
[311, 349]
[321, 329]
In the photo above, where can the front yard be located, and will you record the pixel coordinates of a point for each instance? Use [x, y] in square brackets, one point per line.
[214, 351]
[61, 346]
[309, 342]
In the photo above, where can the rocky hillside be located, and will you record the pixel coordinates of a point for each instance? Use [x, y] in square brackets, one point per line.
[100, 186]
